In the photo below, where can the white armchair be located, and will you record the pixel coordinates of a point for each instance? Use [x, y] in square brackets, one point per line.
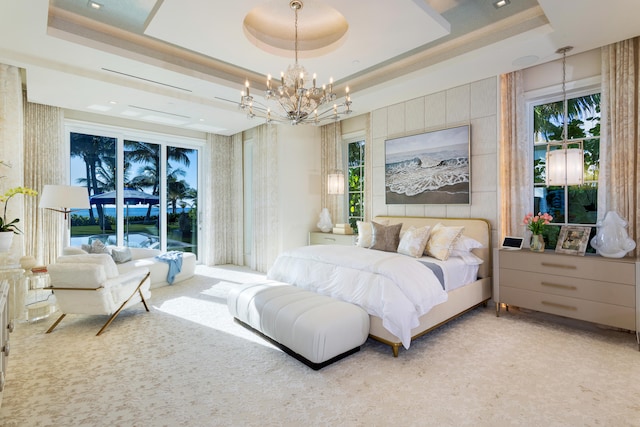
[91, 284]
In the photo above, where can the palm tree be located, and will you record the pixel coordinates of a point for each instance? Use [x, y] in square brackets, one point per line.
[92, 149]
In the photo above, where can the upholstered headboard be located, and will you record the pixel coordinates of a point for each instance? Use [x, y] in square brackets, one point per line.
[476, 228]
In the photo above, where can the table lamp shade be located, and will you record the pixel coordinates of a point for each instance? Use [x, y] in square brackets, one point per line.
[64, 197]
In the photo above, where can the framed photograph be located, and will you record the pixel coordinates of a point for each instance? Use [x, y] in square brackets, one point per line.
[429, 168]
[573, 240]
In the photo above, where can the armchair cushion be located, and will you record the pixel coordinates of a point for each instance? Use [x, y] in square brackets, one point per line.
[105, 260]
[77, 275]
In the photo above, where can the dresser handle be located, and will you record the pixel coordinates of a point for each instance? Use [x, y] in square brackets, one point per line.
[557, 285]
[555, 304]
[550, 264]
[329, 238]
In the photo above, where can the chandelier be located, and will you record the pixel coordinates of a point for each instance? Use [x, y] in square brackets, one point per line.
[289, 101]
[564, 164]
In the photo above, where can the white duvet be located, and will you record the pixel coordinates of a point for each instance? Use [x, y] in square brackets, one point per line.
[394, 287]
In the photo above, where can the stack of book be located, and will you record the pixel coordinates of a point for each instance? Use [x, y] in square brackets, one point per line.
[342, 229]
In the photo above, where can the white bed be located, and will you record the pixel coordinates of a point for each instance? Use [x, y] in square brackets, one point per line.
[404, 298]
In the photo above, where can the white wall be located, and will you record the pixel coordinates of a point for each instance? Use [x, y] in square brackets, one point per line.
[299, 179]
[475, 104]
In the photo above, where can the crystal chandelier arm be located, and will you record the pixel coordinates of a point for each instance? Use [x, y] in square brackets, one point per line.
[292, 101]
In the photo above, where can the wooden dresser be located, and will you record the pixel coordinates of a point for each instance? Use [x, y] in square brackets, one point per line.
[592, 288]
[320, 238]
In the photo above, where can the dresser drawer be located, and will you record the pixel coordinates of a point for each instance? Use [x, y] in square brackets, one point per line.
[591, 311]
[318, 238]
[610, 293]
[587, 267]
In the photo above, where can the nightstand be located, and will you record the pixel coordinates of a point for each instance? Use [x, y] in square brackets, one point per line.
[591, 288]
[320, 238]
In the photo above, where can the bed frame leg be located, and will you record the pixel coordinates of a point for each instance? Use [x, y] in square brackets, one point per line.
[396, 349]
[497, 309]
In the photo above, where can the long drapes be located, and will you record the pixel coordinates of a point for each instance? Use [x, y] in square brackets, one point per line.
[45, 153]
[620, 144]
[331, 148]
[223, 225]
[515, 154]
[266, 222]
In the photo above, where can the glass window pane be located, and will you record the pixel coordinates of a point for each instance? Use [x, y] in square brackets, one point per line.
[583, 204]
[539, 164]
[550, 200]
[355, 153]
[355, 178]
[591, 159]
[141, 194]
[548, 122]
[93, 165]
[182, 199]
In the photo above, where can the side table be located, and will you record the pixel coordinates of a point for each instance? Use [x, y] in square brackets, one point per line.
[39, 302]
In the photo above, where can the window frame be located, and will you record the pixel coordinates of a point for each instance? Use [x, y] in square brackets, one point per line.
[346, 141]
[553, 94]
[163, 140]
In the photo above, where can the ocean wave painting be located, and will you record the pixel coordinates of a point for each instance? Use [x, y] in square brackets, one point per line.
[429, 168]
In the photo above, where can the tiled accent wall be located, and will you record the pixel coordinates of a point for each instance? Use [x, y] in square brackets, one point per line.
[475, 104]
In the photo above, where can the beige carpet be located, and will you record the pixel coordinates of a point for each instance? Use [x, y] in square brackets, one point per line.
[186, 363]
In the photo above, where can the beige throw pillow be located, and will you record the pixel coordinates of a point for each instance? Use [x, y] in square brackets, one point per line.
[386, 237]
[441, 241]
[413, 241]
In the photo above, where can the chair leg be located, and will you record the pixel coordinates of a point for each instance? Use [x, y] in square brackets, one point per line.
[144, 301]
[52, 327]
[113, 316]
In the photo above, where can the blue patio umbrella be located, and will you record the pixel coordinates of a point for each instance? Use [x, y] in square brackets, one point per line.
[131, 197]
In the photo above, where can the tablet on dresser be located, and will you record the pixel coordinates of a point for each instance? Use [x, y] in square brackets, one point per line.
[512, 243]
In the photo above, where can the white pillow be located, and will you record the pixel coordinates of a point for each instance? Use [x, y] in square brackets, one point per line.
[468, 258]
[413, 241]
[442, 240]
[464, 245]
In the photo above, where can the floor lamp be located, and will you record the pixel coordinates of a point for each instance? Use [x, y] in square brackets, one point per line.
[64, 198]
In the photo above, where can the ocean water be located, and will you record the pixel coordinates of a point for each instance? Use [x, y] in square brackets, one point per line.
[131, 210]
[414, 173]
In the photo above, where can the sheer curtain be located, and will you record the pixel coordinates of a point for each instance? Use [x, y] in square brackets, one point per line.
[331, 143]
[11, 148]
[223, 202]
[265, 211]
[516, 187]
[45, 151]
[620, 141]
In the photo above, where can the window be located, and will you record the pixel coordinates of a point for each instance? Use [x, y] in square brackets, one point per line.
[569, 205]
[355, 165]
[143, 189]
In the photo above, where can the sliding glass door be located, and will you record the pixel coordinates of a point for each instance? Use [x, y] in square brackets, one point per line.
[143, 190]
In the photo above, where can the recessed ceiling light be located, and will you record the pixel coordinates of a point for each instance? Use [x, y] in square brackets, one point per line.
[500, 3]
[94, 5]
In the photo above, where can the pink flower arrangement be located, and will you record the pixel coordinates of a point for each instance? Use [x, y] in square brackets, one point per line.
[536, 223]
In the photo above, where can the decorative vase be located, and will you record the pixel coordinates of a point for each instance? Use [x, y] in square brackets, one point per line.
[6, 237]
[537, 243]
[324, 224]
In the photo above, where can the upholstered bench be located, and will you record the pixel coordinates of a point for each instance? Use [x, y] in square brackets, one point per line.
[315, 329]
